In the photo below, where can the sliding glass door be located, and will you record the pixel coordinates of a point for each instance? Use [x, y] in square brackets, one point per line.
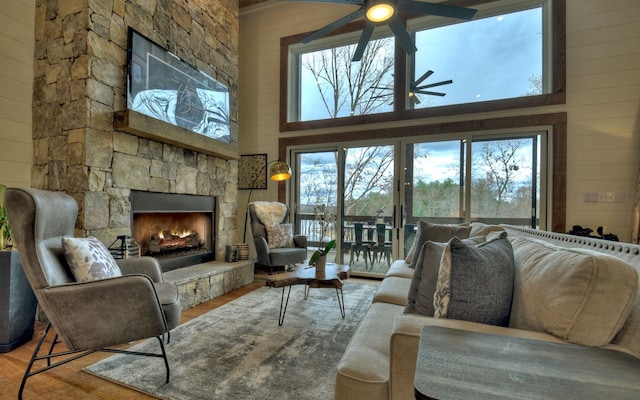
[370, 198]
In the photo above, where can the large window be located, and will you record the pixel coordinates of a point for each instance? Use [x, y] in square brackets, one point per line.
[509, 56]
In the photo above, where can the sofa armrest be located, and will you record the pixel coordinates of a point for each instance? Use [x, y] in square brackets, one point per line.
[405, 339]
[300, 241]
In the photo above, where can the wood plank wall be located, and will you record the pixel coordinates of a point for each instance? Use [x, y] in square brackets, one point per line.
[16, 82]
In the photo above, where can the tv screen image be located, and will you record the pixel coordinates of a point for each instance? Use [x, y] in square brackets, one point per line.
[162, 86]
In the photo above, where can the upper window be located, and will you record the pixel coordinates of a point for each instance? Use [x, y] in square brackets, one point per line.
[491, 58]
[504, 54]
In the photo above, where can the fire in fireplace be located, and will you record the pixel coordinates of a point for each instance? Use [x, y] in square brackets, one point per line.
[177, 229]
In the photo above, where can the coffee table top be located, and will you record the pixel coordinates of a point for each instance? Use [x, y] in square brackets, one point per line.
[306, 275]
[458, 364]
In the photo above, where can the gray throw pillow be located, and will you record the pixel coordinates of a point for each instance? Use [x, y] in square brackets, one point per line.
[436, 233]
[425, 277]
[475, 283]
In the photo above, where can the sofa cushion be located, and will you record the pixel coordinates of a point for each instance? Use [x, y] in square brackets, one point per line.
[482, 229]
[435, 233]
[363, 370]
[393, 290]
[423, 283]
[89, 259]
[400, 269]
[578, 295]
[475, 283]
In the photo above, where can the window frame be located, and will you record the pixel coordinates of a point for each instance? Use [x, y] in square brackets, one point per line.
[557, 94]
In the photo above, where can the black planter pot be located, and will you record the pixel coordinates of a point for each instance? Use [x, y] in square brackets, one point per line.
[17, 303]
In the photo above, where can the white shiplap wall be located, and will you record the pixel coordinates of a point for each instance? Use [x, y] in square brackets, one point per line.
[603, 97]
[16, 83]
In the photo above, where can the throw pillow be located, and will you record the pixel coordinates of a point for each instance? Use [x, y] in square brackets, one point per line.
[279, 236]
[475, 283]
[436, 233]
[425, 277]
[89, 259]
[578, 295]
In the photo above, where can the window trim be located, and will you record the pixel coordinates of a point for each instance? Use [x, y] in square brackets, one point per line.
[401, 113]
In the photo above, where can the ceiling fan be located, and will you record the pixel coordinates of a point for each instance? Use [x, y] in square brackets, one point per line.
[378, 11]
[415, 88]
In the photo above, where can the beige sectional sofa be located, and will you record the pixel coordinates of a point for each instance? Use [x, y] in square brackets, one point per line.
[379, 362]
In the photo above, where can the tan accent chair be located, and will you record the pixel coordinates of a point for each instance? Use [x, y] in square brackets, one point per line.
[276, 258]
[86, 316]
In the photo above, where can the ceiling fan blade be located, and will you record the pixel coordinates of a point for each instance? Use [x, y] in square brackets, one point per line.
[441, 10]
[431, 93]
[423, 77]
[333, 26]
[364, 39]
[434, 84]
[403, 37]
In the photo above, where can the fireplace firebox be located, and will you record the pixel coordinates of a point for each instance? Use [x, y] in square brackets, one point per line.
[177, 229]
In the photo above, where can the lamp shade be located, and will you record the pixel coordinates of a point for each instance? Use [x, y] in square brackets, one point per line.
[379, 10]
[280, 171]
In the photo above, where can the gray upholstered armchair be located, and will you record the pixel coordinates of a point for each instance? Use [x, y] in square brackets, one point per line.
[265, 215]
[86, 316]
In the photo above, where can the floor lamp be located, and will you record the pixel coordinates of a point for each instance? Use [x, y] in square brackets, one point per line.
[279, 171]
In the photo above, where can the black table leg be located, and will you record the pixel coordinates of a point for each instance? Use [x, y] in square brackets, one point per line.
[283, 303]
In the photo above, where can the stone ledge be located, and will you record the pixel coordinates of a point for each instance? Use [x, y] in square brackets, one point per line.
[206, 281]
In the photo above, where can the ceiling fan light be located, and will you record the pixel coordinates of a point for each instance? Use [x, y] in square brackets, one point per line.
[379, 10]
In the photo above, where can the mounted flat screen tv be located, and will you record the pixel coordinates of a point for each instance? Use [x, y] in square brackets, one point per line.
[162, 86]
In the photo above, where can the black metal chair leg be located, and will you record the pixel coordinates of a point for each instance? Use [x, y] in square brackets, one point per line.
[33, 359]
[164, 356]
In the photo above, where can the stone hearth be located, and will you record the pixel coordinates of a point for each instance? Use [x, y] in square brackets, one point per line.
[202, 282]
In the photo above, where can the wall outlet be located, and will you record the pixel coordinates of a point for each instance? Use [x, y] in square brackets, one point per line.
[590, 197]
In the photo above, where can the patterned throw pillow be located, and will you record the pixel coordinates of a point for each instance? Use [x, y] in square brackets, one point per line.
[89, 259]
[279, 236]
[475, 283]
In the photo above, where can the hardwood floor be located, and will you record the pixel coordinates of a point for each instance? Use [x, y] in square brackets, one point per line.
[69, 381]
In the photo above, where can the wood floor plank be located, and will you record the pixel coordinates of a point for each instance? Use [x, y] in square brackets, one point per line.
[69, 382]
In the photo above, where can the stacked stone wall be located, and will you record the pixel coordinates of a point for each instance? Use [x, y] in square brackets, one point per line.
[80, 81]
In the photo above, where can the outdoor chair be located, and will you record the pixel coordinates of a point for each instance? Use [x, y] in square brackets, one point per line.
[87, 315]
[276, 245]
[359, 245]
[382, 246]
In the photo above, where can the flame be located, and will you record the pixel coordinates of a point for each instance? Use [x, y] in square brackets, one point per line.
[176, 232]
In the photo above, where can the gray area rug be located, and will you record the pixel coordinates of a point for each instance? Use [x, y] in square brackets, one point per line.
[238, 351]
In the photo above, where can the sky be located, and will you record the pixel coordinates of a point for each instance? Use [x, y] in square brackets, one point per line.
[487, 59]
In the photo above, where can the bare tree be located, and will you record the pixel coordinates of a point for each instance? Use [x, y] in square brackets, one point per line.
[357, 86]
[366, 173]
[500, 162]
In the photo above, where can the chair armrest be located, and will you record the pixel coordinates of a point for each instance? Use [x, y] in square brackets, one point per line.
[262, 250]
[104, 312]
[141, 265]
[300, 241]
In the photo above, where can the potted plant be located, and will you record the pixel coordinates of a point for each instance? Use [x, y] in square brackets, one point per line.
[319, 257]
[6, 237]
[17, 298]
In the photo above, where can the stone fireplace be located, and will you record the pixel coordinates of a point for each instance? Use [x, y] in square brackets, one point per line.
[83, 147]
[177, 229]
